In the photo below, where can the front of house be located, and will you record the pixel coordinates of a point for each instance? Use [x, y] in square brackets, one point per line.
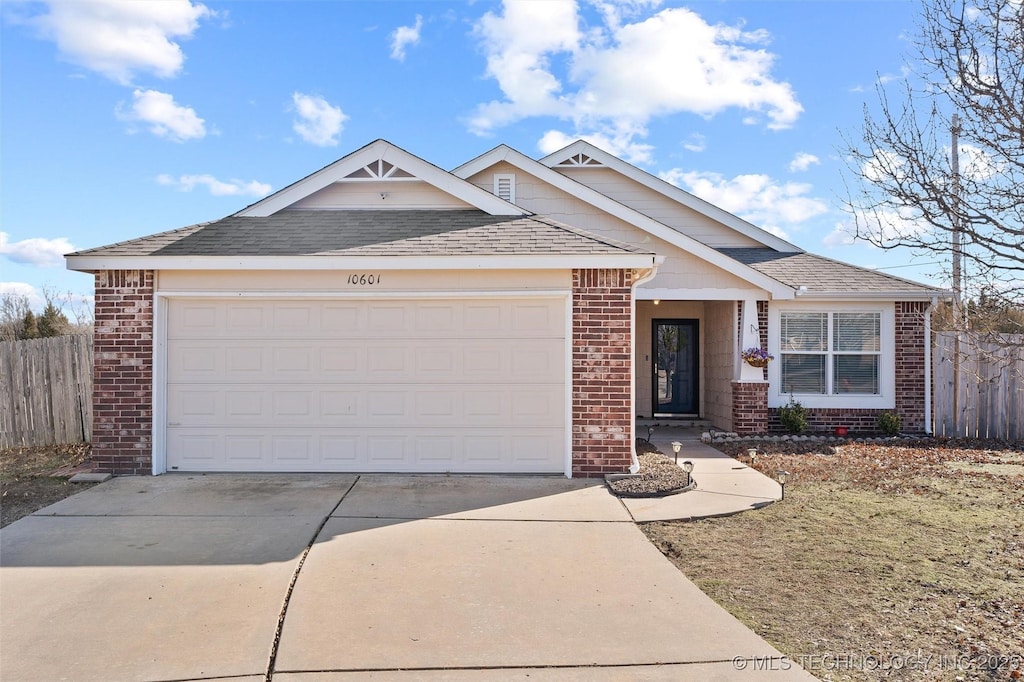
[512, 315]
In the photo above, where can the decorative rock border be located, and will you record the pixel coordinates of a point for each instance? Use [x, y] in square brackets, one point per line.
[711, 437]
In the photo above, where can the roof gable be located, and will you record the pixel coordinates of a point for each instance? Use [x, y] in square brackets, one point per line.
[582, 154]
[380, 162]
[623, 212]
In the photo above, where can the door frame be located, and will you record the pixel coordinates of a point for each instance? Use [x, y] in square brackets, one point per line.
[695, 324]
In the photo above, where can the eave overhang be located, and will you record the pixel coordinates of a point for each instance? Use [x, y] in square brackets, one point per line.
[338, 262]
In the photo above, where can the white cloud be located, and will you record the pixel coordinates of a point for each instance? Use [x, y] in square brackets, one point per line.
[218, 188]
[35, 251]
[404, 36]
[119, 38]
[164, 116]
[695, 143]
[803, 161]
[619, 75]
[36, 300]
[757, 198]
[621, 143]
[318, 121]
[885, 225]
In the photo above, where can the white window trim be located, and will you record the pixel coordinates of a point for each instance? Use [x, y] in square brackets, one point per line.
[511, 178]
[885, 400]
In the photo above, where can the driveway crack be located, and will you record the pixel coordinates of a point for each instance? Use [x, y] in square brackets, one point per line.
[295, 578]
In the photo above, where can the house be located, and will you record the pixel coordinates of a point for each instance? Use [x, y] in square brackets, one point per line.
[511, 315]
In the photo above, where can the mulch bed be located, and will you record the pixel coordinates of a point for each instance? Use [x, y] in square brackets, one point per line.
[659, 476]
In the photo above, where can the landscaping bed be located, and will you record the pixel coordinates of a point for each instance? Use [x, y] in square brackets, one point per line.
[658, 476]
[884, 561]
[27, 483]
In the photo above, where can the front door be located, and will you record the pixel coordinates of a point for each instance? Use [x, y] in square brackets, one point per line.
[675, 367]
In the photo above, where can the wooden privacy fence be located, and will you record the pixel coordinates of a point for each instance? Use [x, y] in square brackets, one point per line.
[988, 401]
[46, 391]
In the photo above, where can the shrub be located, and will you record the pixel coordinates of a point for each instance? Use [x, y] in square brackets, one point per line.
[889, 423]
[793, 416]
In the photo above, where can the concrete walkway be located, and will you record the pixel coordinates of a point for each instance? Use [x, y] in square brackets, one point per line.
[343, 578]
[725, 486]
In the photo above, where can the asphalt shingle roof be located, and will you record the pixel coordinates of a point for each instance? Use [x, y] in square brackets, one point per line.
[370, 233]
[822, 275]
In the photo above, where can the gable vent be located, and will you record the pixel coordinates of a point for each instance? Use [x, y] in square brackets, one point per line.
[379, 170]
[577, 160]
[505, 186]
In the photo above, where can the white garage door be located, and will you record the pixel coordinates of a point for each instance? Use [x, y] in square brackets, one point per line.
[460, 385]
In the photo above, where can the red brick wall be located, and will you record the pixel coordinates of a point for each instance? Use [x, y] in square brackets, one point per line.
[602, 366]
[122, 398]
[749, 407]
[910, 367]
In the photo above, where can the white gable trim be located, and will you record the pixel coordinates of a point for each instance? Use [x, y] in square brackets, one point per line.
[505, 153]
[669, 190]
[365, 263]
[381, 150]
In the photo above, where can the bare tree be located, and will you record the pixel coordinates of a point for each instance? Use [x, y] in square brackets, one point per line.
[13, 311]
[966, 88]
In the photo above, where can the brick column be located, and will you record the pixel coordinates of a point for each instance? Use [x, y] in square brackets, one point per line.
[750, 407]
[602, 366]
[910, 367]
[122, 394]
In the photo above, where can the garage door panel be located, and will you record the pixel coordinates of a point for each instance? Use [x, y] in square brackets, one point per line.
[442, 361]
[324, 405]
[468, 385]
[393, 450]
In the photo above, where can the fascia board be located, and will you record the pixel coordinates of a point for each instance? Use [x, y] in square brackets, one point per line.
[669, 190]
[874, 296]
[503, 262]
[689, 294]
[381, 149]
[623, 212]
[482, 162]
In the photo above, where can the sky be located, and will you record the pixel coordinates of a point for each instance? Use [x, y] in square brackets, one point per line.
[123, 118]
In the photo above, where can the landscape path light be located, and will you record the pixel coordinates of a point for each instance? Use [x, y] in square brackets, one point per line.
[688, 468]
[676, 447]
[782, 475]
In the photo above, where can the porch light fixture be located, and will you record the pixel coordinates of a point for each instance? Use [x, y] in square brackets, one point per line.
[676, 447]
[688, 468]
[657, 301]
[782, 475]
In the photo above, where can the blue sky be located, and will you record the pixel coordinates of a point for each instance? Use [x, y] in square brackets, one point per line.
[121, 119]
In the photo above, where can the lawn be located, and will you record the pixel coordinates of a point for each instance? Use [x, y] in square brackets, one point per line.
[902, 561]
[26, 480]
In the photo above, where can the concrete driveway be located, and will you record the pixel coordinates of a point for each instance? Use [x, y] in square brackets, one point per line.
[335, 577]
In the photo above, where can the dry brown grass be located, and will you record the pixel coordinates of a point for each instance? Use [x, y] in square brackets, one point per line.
[878, 552]
[26, 483]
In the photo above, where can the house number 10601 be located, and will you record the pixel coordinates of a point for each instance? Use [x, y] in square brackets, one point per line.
[363, 279]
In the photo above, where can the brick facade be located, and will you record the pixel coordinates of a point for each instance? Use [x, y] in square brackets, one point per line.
[749, 407]
[602, 367]
[910, 364]
[122, 402]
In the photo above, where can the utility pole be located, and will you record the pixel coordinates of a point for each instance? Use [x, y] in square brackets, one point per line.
[959, 316]
[957, 228]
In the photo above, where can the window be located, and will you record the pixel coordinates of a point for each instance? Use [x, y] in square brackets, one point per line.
[830, 353]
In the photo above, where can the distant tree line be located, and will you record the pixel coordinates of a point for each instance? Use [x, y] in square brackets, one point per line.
[19, 322]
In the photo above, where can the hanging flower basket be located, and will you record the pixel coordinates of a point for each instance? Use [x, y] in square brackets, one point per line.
[756, 357]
